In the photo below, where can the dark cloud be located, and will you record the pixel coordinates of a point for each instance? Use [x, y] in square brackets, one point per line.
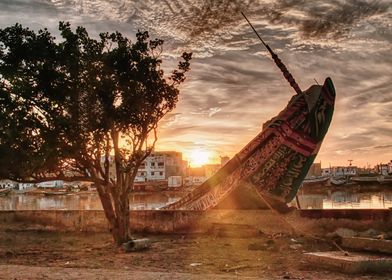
[206, 25]
[384, 147]
[335, 19]
[26, 5]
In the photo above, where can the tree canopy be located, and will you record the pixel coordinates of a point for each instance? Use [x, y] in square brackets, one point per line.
[78, 103]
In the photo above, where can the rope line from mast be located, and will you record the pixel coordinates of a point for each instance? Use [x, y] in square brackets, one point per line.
[277, 61]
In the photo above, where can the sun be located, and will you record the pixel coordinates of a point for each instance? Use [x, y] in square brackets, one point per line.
[199, 157]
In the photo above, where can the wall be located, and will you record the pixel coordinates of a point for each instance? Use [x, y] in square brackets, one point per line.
[215, 222]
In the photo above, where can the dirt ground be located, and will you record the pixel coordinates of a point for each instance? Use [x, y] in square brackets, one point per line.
[38, 254]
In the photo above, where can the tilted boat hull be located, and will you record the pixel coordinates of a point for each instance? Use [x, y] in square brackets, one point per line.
[277, 160]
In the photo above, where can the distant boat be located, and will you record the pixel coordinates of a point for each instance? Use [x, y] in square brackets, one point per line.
[4, 192]
[338, 181]
[384, 179]
[362, 180]
[50, 193]
[316, 180]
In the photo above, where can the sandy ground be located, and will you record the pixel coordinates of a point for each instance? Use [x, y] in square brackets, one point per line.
[37, 254]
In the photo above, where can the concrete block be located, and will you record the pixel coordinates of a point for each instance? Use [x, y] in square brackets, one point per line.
[352, 264]
[368, 244]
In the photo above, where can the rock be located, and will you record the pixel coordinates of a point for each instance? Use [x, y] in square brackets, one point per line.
[137, 245]
[343, 232]
[368, 233]
[270, 242]
[195, 264]
[295, 246]
[9, 254]
[235, 268]
[298, 240]
[257, 247]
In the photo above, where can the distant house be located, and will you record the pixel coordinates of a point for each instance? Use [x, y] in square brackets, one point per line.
[340, 171]
[383, 169]
[24, 186]
[51, 184]
[195, 176]
[174, 182]
[7, 184]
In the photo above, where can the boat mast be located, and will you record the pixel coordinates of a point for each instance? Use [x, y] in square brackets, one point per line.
[277, 61]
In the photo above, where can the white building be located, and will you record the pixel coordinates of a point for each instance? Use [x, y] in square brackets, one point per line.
[195, 176]
[174, 181]
[160, 166]
[194, 180]
[338, 171]
[384, 168]
[7, 184]
[51, 184]
[24, 186]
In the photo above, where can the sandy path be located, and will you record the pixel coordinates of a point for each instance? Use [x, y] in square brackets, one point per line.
[17, 272]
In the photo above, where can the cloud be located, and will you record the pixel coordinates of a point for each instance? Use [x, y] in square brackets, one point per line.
[320, 19]
[210, 26]
[234, 86]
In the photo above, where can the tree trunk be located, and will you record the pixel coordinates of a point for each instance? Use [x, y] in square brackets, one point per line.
[121, 232]
[116, 210]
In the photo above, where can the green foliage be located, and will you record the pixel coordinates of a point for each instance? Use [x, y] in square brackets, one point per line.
[75, 101]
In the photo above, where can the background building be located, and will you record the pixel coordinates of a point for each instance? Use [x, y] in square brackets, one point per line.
[340, 171]
[160, 166]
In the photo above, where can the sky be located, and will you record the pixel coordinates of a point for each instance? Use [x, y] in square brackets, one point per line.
[233, 86]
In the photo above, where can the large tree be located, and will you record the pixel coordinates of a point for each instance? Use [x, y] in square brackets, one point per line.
[80, 104]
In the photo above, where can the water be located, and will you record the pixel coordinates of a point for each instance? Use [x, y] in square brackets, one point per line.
[347, 198]
[88, 201]
[343, 198]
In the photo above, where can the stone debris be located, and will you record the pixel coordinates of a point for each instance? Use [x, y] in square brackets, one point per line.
[235, 268]
[258, 247]
[370, 233]
[137, 245]
[342, 232]
[352, 264]
[295, 246]
[368, 244]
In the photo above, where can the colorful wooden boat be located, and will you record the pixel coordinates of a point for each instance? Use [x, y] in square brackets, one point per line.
[338, 181]
[277, 160]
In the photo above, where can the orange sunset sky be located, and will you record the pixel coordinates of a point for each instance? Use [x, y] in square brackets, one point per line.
[234, 86]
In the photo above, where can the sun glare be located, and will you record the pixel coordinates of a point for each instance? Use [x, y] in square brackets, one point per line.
[199, 158]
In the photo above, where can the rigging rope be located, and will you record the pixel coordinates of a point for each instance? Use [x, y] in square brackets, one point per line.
[296, 231]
